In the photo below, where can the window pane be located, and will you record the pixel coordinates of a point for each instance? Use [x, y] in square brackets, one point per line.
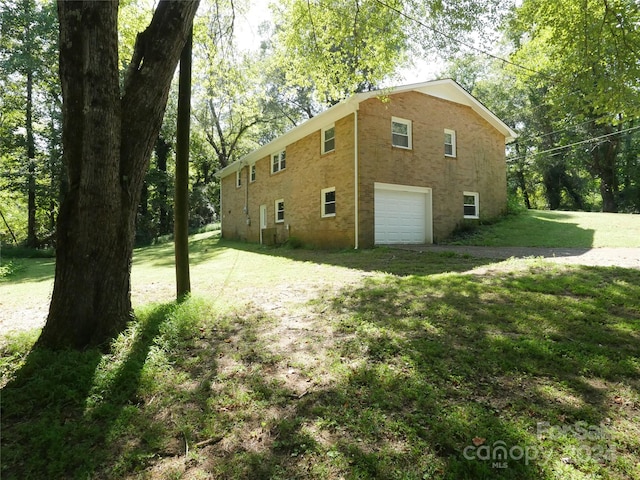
[400, 140]
[401, 128]
[329, 133]
[282, 160]
[448, 149]
[448, 139]
[330, 209]
[330, 196]
[470, 210]
[329, 145]
[469, 200]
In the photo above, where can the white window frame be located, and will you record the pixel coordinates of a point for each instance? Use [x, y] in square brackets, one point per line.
[476, 204]
[324, 203]
[453, 153]
[252, 172]
[277, 209]
[408, 123]
[324, 139]
[238, 178]
[278, 161]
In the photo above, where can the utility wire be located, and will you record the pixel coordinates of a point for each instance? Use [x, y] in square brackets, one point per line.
[491, 55]
[581, 142]
[456, 40]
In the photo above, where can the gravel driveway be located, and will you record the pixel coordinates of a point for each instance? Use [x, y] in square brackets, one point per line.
[600, 257]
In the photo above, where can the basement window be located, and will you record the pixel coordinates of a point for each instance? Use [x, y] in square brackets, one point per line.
[328, 202]
[279, 207]
[471, 205]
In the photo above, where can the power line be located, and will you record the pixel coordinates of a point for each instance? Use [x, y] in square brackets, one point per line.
[456, 40]
[581, 142]
[495, 57]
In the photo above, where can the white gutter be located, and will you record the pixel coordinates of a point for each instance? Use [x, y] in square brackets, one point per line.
[355, 161]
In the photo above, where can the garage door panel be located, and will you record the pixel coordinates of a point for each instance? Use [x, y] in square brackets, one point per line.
[401, 216]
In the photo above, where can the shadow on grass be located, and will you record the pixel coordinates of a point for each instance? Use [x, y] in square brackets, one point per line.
[533, 228]
[452, 377]
[202, 248]
[63, 408]
[381, 259]
[416, 375]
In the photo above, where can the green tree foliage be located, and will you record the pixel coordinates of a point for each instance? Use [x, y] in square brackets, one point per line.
[339, 47]
[584, 77]
[30, 156]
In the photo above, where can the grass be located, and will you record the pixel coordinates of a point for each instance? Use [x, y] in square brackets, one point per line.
[537, 228]
[307, 364]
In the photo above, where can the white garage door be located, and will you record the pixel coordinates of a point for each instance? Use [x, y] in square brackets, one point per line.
[402, 214]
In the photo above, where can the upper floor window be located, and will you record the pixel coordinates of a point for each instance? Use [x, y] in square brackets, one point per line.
[329, 139]
[401, 132]
[279, 208]
[252, 174]
[328, 202]
[471, 205]
[449, 143]
[239, 178]
[278, 161]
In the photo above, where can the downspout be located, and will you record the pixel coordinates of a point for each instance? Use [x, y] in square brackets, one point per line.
[355, 160]
[221, 208]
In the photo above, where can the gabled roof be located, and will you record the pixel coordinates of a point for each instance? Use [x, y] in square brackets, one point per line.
[446, 89]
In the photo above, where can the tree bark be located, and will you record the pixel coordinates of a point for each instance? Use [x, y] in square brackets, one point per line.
[603, 164]
[107, 138]
[32, 240]
[181, 201]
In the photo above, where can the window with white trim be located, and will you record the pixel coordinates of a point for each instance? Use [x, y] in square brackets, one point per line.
[279, 208]
[278, 161]
[401, 132]
[328, 202]
[328, 139]
[252, 174]
[471, 205]
[238, 178]
[449, 143]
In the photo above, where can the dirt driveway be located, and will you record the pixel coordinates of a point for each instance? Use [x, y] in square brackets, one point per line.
[599, 257]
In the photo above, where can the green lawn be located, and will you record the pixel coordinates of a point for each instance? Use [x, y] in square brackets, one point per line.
[308, 364]
[537, 228]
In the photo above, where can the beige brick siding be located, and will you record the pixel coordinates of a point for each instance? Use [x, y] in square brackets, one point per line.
[479, 166]
[307, 172]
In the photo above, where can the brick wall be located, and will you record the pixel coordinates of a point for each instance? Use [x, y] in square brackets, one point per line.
[307, 172]
[479, 165]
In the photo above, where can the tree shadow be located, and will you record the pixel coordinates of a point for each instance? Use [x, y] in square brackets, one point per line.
[455, 377]
[62, 408]
[389, 260]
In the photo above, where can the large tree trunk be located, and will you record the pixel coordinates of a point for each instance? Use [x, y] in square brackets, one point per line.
[181, 201]
[32, 240]
[107, 139]
[603, 164]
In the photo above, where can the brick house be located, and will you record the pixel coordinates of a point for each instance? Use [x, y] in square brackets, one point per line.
[403, 165]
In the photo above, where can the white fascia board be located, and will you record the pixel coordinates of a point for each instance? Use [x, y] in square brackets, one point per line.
[316, 123]
[446, 89]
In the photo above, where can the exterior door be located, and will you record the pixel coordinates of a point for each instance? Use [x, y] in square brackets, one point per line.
[263, 220]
